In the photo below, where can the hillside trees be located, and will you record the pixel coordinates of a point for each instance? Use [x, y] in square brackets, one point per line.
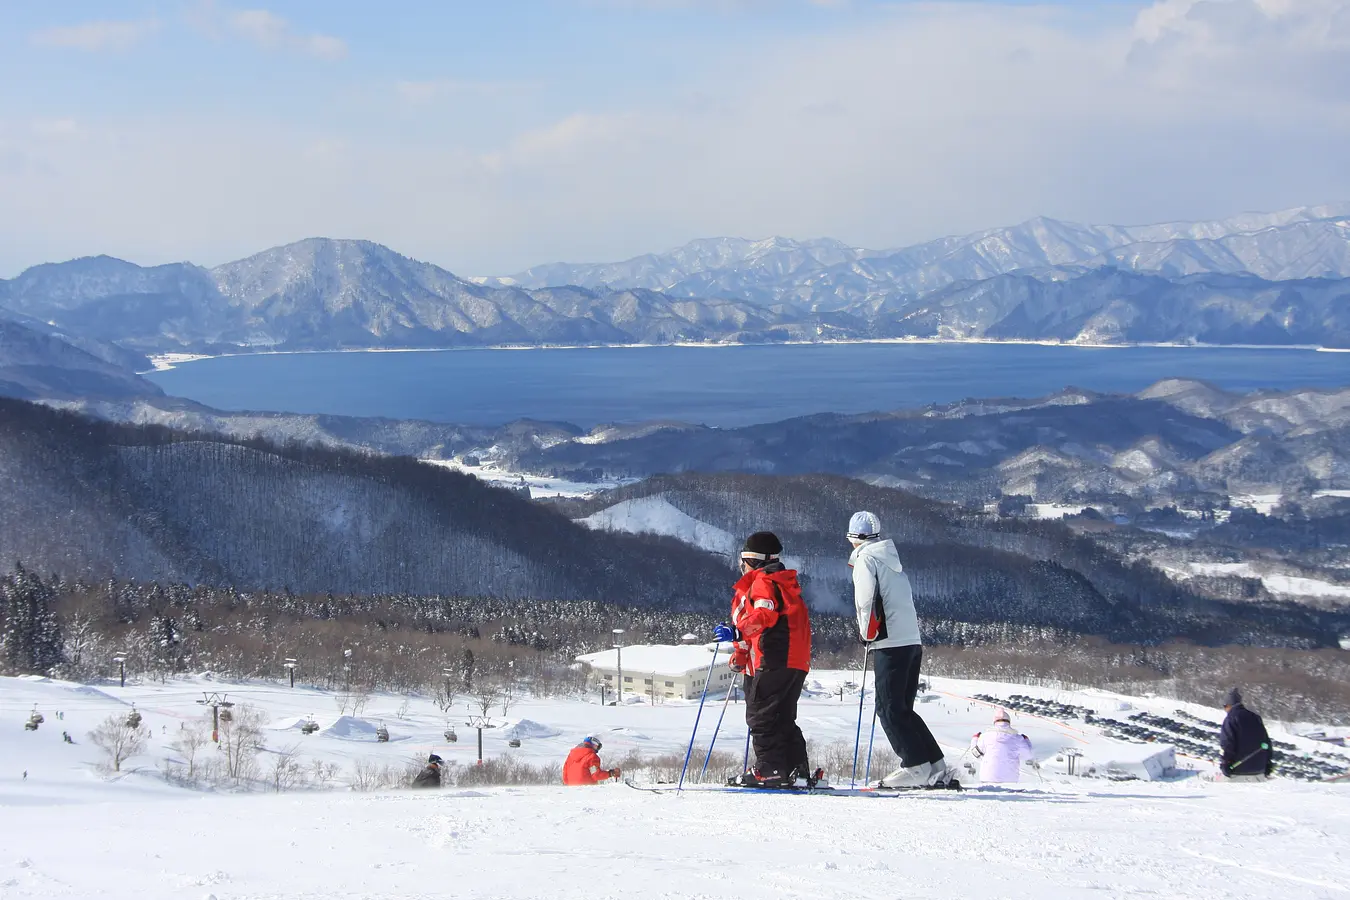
[30, 642]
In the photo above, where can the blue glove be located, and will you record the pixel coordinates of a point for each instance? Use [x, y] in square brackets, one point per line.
[725, 633]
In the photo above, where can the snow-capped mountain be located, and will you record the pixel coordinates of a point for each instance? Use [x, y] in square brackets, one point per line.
[705, 267]
[1282, 278]
[324, 294]
[1307, 242]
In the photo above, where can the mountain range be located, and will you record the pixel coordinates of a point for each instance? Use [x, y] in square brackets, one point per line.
[1295, 244]
[1281, 278]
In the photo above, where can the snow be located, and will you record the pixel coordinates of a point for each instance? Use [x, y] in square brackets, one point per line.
[528, 728]
[68, 832]
[1293, 586]
[656, 515]
[1278, 584]
[1261, 503]
[1241, 570]
[660, 659]
[539, 485]
[1053, 510]
[350, 728]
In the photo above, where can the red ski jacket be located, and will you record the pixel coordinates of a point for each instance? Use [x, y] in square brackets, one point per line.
[583, 767]
[775, 626]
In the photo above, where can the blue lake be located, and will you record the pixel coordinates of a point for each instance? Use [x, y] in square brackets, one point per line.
[722, 386]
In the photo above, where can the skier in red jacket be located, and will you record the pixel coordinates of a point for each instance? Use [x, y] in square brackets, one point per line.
[583, 765]
[771, 630]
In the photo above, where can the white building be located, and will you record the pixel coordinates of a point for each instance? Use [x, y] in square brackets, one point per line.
[661, 672]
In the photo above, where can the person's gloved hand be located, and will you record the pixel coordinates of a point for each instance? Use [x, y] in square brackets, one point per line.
[615, 773]
[725, 633]
[740, 660]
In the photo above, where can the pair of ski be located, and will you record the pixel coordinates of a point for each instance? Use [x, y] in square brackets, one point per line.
[818, 790]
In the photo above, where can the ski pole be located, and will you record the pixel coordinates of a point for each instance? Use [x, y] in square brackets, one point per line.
[1250, 756]
[704, 696]
[745, 763]
[857, 738]
[716, 729]
[867, 774]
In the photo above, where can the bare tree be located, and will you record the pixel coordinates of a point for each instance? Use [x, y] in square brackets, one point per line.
[188, 743]
[286, 768]
[118, 740]
[508, 697]
[403, 708]
[240, 741]
[360, 697]
[343, 699]
[444, 697]
[484, 699]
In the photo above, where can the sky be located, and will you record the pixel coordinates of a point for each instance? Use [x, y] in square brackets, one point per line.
[490, 136]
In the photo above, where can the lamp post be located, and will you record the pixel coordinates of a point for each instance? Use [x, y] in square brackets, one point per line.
[618, 648]
[290, 665]
[121, 660]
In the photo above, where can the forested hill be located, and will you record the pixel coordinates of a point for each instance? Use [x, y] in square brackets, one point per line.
[90, 498]
[966, 569]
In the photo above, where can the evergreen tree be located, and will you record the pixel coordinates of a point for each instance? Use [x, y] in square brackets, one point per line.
[30, 642]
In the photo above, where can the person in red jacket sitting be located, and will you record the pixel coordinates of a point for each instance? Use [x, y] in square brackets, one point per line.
[583, 765]
[771, 630]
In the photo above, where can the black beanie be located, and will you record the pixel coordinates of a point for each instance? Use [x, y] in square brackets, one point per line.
[761, 547]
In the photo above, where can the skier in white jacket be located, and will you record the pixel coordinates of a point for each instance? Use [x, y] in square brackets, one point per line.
[889, 625]
[1001, 751]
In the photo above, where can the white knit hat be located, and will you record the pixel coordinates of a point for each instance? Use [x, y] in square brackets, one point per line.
[864, 526]
[1002, 716]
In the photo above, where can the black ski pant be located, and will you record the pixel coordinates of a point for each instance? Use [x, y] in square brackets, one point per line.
[771, 715]
[897, 674]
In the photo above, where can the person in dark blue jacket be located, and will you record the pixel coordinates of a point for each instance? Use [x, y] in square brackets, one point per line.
[1244, 742]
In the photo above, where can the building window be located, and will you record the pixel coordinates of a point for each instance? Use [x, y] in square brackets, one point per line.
[670, 684]
[609, 677]
[628, 679]
[646, 681]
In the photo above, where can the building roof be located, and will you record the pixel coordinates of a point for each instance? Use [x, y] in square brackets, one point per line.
[662, 659]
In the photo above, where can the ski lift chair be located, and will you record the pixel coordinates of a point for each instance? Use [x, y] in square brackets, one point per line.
[382, 734]
[514, 742]
[450, 736]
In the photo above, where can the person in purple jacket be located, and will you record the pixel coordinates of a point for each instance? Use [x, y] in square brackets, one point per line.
[1001, 751]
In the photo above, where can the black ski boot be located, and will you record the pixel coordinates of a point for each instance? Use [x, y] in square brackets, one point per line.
[757, 779]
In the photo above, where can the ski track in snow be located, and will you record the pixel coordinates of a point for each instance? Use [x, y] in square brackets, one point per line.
[68, 832]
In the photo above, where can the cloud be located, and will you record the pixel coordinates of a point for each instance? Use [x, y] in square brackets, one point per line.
[923, 120]
[264, 29]
[94, 36]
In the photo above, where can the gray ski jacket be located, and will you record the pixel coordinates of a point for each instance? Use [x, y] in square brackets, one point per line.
[877, 572]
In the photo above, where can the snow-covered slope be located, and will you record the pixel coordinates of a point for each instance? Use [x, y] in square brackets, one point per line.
[656, 515]
[36, 364]
[1052, 837]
